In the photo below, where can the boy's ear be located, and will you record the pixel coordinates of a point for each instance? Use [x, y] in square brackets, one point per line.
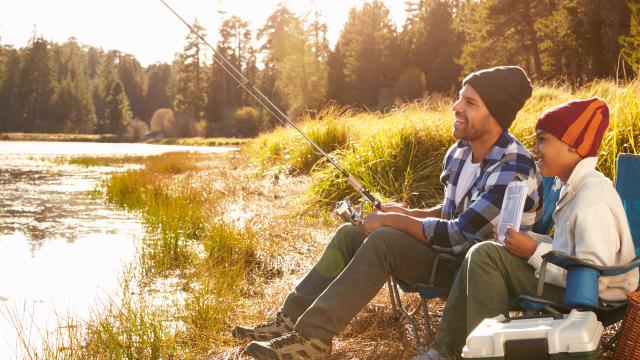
[571, 148]
[574, 151]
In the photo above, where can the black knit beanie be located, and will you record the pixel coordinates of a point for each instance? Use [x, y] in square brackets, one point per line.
[504, 90]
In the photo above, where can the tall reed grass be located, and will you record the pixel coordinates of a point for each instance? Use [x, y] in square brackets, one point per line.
[178, 297]
[398, 155]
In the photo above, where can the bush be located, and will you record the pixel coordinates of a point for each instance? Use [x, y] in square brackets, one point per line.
[244, 122]
[137, 128]
[247, 122]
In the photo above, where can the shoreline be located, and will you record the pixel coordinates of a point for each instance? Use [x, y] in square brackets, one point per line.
[110, 138]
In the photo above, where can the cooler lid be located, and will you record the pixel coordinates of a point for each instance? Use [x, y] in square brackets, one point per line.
[576, 332]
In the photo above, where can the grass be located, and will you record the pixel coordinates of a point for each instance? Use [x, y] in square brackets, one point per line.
[203, 262]
[197, 272]
[199, 141]
[100, 160]
[58, 137]
[399, 155]
[285, 147]
[192, 141]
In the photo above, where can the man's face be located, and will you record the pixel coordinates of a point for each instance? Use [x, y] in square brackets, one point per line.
[472, 118]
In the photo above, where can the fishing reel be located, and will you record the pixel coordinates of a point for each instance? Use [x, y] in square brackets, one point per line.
[348, 213]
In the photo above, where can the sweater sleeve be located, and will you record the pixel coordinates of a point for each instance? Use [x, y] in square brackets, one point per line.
[596, 241]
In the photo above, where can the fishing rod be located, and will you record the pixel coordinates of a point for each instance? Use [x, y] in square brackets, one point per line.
[343, 208]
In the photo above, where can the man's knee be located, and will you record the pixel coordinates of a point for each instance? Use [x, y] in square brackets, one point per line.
[381, 237]
[346, 235]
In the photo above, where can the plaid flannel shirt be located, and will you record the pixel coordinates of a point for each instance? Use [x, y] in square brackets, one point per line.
[472, 220]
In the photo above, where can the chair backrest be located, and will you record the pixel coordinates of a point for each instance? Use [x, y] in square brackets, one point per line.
[550, 199]
[627, 185]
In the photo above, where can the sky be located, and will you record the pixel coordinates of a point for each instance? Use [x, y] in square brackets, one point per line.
[146, 28]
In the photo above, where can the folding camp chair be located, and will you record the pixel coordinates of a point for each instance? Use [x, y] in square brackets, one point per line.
[431, 291]
[582, 277]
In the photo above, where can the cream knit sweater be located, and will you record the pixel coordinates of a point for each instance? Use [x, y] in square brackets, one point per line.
[590, 223]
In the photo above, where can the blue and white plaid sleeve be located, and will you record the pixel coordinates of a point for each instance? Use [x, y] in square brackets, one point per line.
[476, 222]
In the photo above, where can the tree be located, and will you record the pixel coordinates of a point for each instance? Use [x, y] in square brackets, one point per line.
[335, 77]
[72, 110]
[224, 95]
[9, 80]
[274, 35]
[118, 115]
[502, 32]
[631, 42]
[190, 82]
[368, 43]
[302, 72]
[102, 86]
[410, 84]
[35, 85]
[131, 75]
[157, 95]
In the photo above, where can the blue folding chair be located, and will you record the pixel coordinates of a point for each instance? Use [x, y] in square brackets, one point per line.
[430, 290]
[582, 277]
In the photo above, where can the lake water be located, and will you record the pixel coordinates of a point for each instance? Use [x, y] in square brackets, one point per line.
[61, 250]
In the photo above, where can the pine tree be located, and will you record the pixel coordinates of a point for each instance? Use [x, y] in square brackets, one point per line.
[118, 115]
[369, 44]
[440, 46]
[157, 95]
[190, 96]
[335, 77]
[102, 86]
[35, 85]
[224, 95]
[631, 42]
[302, 72]
[72, 109]
[132, 77]
[502, 32]
[9, 83]
[274, 35]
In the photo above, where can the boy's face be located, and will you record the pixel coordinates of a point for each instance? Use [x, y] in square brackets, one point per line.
[554, 157]
[472, 117]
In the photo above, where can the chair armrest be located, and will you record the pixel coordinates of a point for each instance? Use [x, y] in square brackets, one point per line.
[566, 261]
[434, 267]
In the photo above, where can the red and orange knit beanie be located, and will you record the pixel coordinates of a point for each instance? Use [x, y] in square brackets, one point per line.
[579, 123]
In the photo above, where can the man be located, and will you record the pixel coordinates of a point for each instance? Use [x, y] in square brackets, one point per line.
[403, 242]
[590, 224]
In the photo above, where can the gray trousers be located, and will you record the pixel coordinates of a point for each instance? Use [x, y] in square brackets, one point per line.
[350, 272]
[488, 277]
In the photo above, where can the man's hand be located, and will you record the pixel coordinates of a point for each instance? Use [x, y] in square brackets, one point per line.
[519, 243]
[373, 221]
[392, 207]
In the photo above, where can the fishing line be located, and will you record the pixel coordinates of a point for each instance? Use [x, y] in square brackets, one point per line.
[263, 100]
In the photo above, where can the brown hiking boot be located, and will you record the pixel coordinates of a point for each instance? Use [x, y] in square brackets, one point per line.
[292, 346]
[277, 327]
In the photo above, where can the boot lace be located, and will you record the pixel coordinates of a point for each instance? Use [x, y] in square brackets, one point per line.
[285, 340]
[277, 322]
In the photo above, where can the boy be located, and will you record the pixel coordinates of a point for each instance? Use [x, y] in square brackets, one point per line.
[590, 224]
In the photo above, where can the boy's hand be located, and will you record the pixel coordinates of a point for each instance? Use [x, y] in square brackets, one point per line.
[519, 243]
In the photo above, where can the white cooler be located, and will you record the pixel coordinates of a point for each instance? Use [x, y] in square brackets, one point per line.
[572, 336]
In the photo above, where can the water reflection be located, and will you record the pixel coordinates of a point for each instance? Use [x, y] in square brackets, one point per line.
[61, 250]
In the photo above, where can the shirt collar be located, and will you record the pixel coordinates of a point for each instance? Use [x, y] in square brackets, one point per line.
[497, 151]
[583, 167]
